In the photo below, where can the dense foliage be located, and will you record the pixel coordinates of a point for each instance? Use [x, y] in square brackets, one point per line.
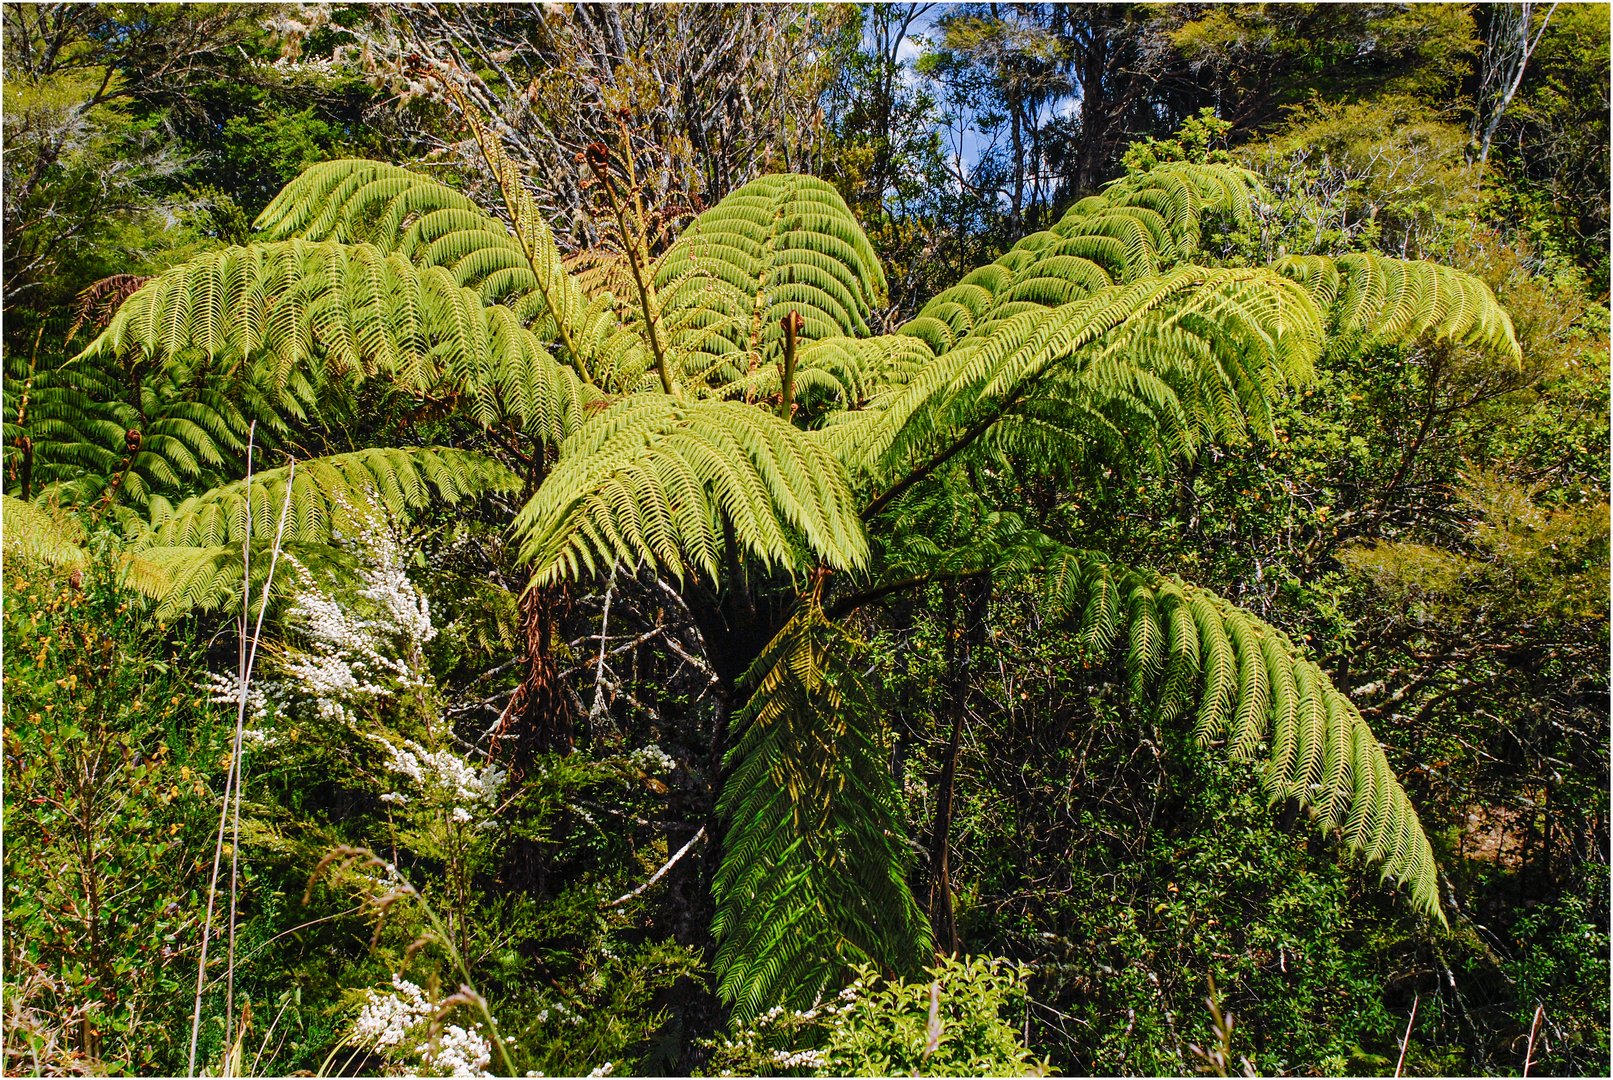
[507, 571]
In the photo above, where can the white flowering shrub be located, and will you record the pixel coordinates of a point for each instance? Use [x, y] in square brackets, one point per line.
[399, 1027]
[351, 697]
[442, 778]
[349, 656]
[652, 759]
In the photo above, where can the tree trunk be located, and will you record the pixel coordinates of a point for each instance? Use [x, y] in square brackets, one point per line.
[960, 645]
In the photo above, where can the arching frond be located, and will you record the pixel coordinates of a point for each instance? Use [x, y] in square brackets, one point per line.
[513, 263]
[350, 309]
[330, 496]
[679, 485]
[779, 244]
[1374, 298]
[1191, 353]
[1256, 694]
[1139, 226]
[185, 578]
[813, 875]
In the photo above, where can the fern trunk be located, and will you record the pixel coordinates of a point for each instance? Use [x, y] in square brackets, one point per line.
[539, 720]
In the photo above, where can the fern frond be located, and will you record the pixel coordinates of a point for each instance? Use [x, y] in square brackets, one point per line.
[779, 244]
[296, 306]
[812, 880]
[99, 422]
[330, 496]
[1140, 226]
[1374, 298]
[656, 480]
[40, 533]
[185, 578]
[1193, 352]
[1254, 689]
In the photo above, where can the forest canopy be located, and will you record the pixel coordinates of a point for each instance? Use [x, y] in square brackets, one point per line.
[934, 539]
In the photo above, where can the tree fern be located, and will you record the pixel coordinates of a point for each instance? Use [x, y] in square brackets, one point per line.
[727, 417]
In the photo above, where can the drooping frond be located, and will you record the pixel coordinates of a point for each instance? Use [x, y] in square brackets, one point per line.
[1256, 694]
[98, 300]
[330, 496]
[516, 265]
[779, 244]
[1374, 298]
[401, 212]
[350, 309]
[658, 480]
[812, 880]
[184, 578]
[39, 533]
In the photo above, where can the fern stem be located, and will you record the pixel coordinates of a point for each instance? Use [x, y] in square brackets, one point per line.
[792, 324]
[879, 503]
[504, 175]
[638, 257]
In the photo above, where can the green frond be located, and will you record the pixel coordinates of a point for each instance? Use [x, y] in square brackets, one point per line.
[186, 422]
[296, 306]
[604, 351]
[186, 578]
[1256, 692]
[813, 875]
[836, 374]
[329, 497]
[40, 533]
[1140, 226]
[1169, 360]
[655, 480]
[779, 244]
[516, 265]
[1375, 298]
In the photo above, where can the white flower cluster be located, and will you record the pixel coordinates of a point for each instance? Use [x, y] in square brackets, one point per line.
[226, 690]
[798, 1059]
[396, 1025]
[386, 1019]
[603, 1070]
[562, 1013]
[353, 653]
[445, 777]
[352, 659]
[458, 1052]
[652, 759]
